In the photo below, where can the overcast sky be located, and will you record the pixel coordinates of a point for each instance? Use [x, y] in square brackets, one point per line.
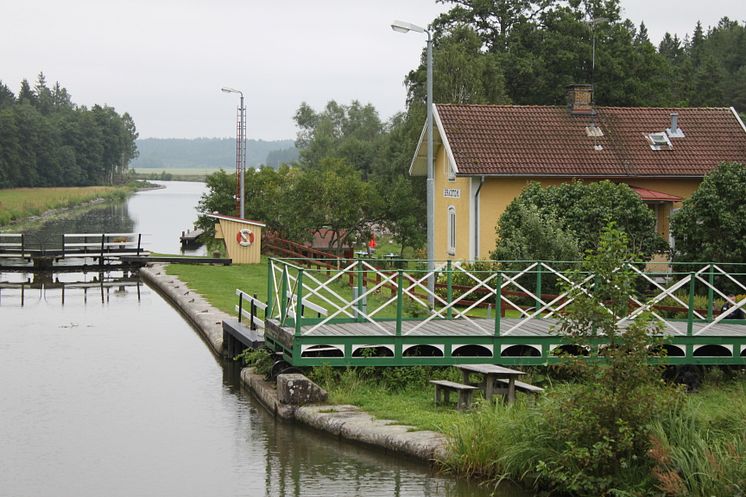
[164, 61]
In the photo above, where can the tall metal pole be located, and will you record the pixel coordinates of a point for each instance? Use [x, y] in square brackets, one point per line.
[242, 124]
[430, 180]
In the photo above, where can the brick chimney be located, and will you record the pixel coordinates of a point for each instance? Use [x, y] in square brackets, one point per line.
[580, 99]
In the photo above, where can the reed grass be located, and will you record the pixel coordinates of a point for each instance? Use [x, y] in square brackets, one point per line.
[20, 203]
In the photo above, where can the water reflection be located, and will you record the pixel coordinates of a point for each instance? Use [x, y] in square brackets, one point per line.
[18, 288]
[160, 215]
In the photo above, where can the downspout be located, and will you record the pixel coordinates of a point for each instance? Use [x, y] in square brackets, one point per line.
[476, 218]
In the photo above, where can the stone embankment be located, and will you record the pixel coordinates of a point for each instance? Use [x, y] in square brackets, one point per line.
[344, 421]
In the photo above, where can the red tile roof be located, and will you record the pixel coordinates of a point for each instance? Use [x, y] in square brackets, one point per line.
[548, 141]
[654, 196]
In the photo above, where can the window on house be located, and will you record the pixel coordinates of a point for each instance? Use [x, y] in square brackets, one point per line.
[449, 172]
[659, 141]
[451, 230]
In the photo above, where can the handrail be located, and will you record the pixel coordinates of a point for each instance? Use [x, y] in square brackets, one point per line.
[462, 290]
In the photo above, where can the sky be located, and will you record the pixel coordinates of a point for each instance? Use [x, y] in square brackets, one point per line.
[164, 61]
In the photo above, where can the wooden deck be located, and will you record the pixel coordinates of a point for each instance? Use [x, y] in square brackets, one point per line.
[486, 327]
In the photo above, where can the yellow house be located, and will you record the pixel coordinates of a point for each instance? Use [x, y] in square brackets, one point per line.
[484, 155]
[243, 238]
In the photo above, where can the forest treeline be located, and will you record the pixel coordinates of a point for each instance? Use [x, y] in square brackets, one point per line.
[210, 152]
[47, 140]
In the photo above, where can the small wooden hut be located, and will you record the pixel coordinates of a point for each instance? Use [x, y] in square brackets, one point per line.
[243, 238]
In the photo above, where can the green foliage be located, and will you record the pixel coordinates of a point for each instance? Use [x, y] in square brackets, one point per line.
[710, 225]
[561, 222]
[525, 233]
[533, 49]
[260, 359]
[219, 198]
[46, 140]
[691, 459]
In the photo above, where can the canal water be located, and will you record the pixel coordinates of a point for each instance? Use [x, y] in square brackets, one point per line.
[105, 390]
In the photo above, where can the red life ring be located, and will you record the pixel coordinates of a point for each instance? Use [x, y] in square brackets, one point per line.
[245, 237]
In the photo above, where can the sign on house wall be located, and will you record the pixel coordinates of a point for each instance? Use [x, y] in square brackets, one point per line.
[452, 192]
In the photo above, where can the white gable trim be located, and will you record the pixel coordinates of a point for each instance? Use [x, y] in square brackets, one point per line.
[438, 131]
[236, 220]
[417, 150]
[444, 139]
[738, 118]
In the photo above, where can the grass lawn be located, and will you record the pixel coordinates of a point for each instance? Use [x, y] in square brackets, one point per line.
[20, 203]
[218, 284]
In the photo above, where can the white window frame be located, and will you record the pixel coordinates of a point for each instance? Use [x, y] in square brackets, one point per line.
[451, 241]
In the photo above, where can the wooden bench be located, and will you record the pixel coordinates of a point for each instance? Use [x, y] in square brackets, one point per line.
[519, 386]
[445, 387]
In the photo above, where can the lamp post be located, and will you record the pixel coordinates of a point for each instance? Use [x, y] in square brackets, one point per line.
[240, 149]
[405, 27]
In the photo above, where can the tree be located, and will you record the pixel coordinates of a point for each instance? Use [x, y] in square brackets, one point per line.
[710, 226]
[348, 132]
[526, 233]
[219, 198]
[580, 210]
[598, 431]
[333, 196]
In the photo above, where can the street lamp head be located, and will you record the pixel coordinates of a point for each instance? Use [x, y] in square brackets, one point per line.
[225, 89]
[404, 27]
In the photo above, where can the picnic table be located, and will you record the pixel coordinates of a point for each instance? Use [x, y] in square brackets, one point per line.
[490, 373]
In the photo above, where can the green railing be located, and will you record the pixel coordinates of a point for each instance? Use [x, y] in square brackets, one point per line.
[362, 292]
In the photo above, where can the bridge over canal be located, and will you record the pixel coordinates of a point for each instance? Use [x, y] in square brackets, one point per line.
[370, 313]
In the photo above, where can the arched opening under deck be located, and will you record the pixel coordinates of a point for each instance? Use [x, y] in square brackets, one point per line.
[323, 351]
[713, 351]
[471, 351]
[521, 351]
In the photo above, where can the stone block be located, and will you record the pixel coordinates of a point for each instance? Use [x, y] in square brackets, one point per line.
[297, 390]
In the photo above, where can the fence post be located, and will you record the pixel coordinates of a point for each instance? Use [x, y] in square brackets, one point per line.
[284, 295]
[253, 313]
[538, 288]
[399, 301]
[270, 288]
[240, 306]
[449, 280]
[498, 301]
[139, 242]
[690, 314]
[359, 291]
[103, 243]
[710, 293]
[299, 303]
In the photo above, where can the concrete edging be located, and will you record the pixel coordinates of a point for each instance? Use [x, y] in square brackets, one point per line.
[205, 318]
[344, 421]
